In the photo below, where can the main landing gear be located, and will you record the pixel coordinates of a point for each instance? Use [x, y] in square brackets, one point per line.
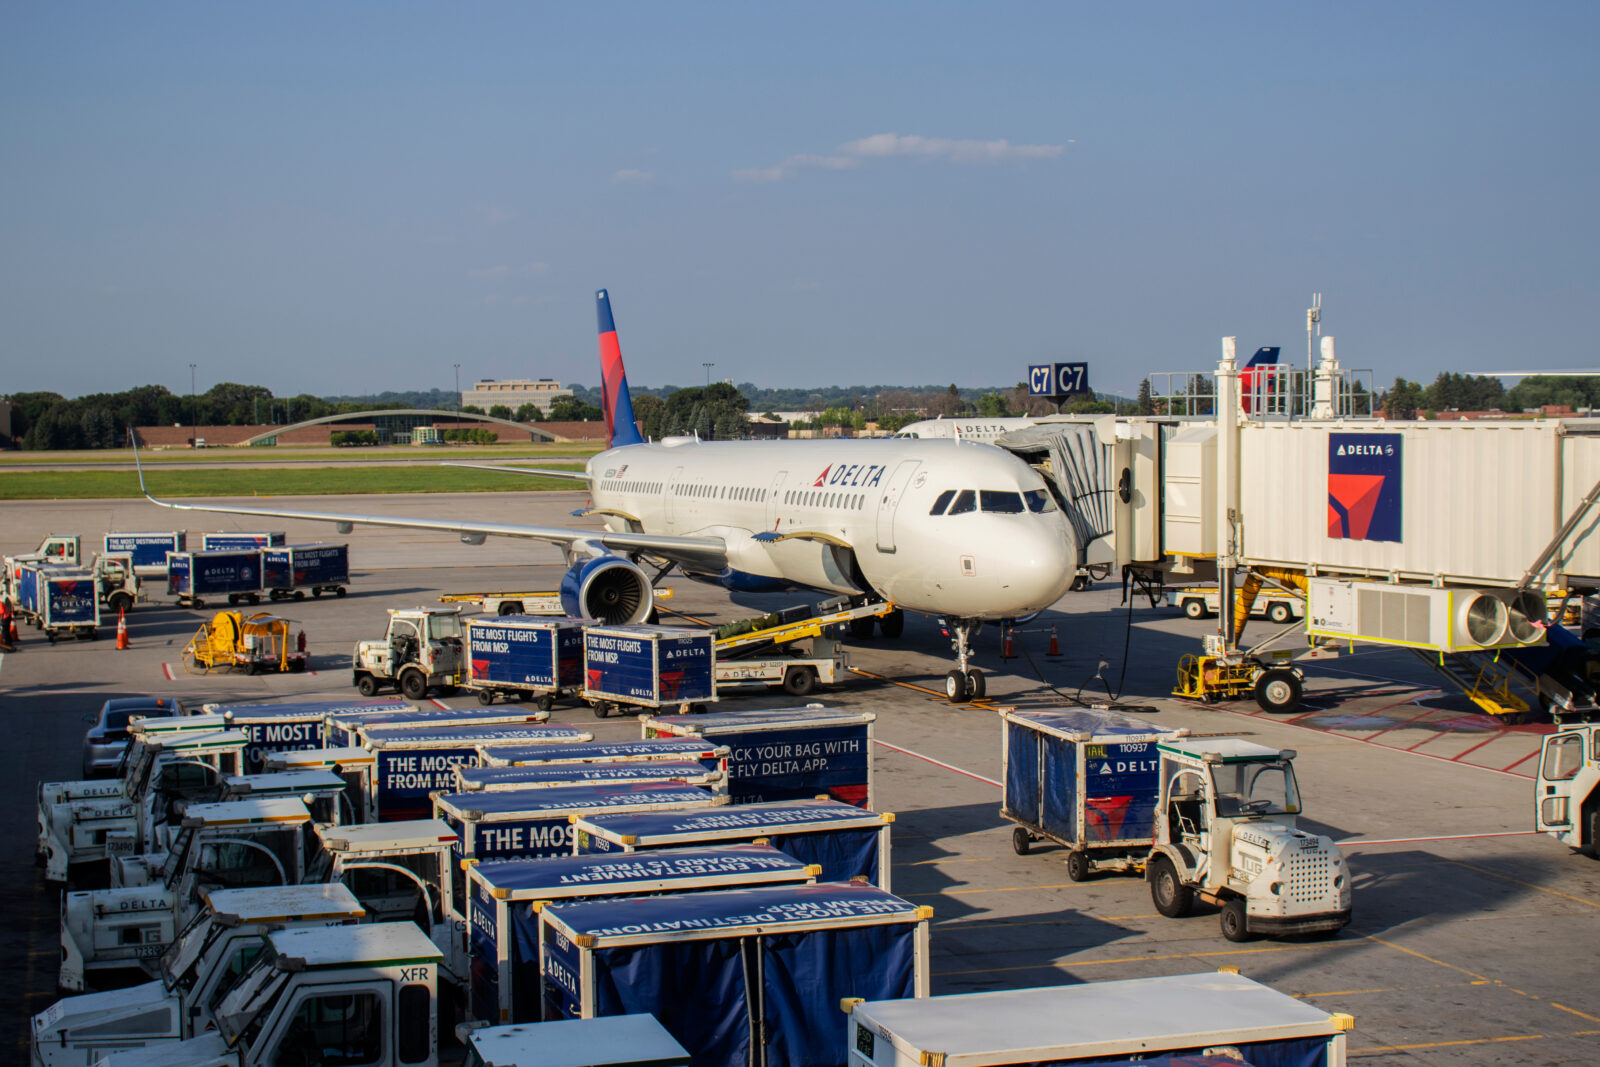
[964, 683]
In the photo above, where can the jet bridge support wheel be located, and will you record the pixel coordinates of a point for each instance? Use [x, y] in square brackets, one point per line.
[1278, 691]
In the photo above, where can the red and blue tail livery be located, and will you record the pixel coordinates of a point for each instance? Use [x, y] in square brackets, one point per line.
[614, 399]
[1257, 377]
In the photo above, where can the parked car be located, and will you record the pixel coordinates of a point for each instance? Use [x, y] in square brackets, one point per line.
[103, 745]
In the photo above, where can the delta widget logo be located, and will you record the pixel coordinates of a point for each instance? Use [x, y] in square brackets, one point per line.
[1364, 484]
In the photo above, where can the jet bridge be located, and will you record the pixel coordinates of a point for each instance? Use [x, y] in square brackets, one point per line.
[1443, 537]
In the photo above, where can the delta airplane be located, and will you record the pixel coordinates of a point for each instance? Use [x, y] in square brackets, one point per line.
[935, 527]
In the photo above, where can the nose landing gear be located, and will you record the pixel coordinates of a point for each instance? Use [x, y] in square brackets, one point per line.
[964, 683]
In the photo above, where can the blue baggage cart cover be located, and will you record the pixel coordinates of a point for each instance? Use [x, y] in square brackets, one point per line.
[737, 823]
[469, 735]
[544, 803]
[557, 775]
[1082, 724]
[711, 724]
[637, 872]
[664, 748]
[729, 912]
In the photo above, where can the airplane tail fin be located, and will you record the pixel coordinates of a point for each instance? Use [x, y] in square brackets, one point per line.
[621, 429]
[1264, 356]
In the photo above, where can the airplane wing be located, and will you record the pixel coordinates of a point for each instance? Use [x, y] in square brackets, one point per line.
[582, 476]
[694, 553]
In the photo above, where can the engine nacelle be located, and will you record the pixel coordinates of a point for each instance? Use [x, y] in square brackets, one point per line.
[607, 588]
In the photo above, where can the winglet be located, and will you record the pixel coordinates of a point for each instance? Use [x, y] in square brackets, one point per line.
[133, 442]
[621, 429]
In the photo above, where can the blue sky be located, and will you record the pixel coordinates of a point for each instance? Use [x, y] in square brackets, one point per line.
[349, 198]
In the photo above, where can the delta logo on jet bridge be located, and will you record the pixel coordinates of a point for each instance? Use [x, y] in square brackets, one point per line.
[1364, 486]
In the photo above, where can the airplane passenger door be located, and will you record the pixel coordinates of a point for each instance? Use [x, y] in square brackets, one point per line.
[672, 495]
[889, 502]
[773, 496]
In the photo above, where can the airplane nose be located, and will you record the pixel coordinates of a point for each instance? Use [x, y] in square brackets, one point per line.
[1042, 562]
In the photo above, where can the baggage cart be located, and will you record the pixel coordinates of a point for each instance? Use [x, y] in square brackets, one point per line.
[417, 761]
[289, 570]
[148, 549]
[1083, 779]
[520, 657]
[505, 897]
[785, 753]
[642, 667]
[615, 1041]
[737, 976]
[845, 841]
[712, 757]
[563, 775]
[1186, 1019]
[194, 576]
[59, 599]
[349, 728]
[288, 725]
[233, 540]
[537, 823]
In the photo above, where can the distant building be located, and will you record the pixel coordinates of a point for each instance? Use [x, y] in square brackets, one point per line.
[515, 392]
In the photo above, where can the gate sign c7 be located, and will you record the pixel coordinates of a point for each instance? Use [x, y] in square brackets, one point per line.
[1058, 380]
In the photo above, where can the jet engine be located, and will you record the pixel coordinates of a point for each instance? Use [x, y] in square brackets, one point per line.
[608, 588]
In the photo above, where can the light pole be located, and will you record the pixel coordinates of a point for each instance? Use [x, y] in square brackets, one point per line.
[194, 410]
[708, 367]
[458, 388]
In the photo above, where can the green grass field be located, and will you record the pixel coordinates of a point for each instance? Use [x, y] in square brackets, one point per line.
[272, 481]
[292, 454]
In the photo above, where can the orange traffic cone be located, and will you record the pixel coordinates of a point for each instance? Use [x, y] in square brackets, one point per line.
[1055, 643]
[1006, 651]
[122, 629]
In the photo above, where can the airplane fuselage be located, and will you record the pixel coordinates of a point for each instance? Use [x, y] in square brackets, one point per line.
[853, 516]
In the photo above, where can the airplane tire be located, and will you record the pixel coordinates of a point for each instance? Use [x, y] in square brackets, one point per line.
[1278, 691]
[955, 687]
[976, 685]
[861, 629]
[892, 625]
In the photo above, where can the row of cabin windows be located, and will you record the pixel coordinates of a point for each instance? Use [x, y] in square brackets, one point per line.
[637, 487]
[722, 492]
[847, 501]
[993, 501]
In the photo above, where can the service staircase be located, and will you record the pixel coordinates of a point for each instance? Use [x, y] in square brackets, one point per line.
[1496, 684]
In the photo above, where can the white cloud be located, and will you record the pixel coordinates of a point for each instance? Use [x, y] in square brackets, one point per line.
[792, 164]
[881, 145]
[638, 177]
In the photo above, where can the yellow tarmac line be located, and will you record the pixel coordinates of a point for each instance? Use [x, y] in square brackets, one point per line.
[1529, 885]
[1422, 956]
[1575, 1011]
[1449, 1044]
[1062, 964]
[983, 703]
[961, 890]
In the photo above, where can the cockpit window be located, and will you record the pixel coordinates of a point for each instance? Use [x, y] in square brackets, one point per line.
[967, 501]
[1000, 502]
[1039, 501]
[942, 503]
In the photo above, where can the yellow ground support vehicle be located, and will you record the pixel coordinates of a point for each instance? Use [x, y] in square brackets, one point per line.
[261, 642]
[1269, 677]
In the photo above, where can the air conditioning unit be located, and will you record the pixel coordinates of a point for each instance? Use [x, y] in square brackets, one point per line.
[1449, 619]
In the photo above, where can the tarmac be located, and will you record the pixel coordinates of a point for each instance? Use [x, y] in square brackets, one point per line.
[1468, 944]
